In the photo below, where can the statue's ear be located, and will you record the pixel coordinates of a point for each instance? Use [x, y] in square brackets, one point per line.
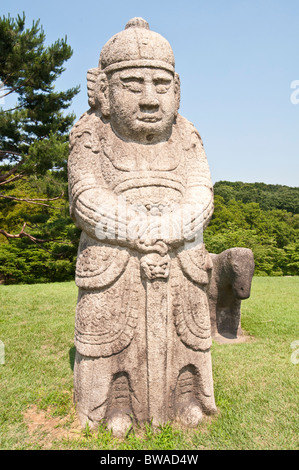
[98, 92]
[177, 89]
[92, 76]
[103, 94]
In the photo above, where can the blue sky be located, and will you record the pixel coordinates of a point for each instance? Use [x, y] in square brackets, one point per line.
[236, 59]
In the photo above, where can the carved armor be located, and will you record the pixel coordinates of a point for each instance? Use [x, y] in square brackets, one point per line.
[160, 181]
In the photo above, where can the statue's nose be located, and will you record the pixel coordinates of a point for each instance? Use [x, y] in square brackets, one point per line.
[149, 101]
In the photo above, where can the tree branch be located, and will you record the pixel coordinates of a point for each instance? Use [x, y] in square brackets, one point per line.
[23, 234]
[10, 110]
[14, 169]
[7, 77]
[15, 178]
[33, 201]
[14, 89]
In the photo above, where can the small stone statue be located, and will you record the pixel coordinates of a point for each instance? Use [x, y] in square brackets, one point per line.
[140, 191]
[230, 283]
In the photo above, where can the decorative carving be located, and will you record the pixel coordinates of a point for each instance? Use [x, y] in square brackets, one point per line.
[155, 266]
[190, 311]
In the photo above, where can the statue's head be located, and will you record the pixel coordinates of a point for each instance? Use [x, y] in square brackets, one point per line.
[135, 86]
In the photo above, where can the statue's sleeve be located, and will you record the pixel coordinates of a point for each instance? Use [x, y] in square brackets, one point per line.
[198, 197]
[190, 218]
[93, 206]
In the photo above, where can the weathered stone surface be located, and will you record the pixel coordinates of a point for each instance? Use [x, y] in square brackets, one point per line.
[140, 191]
[230, 283]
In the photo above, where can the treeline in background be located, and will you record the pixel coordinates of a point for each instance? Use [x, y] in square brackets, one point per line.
[264, 218]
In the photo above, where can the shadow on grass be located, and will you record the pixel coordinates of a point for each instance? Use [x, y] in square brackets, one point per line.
[72, 354]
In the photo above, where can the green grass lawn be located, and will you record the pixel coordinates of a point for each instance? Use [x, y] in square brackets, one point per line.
[256, 382]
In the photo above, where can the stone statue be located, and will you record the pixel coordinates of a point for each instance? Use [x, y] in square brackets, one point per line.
[140, 191]
[230, 283]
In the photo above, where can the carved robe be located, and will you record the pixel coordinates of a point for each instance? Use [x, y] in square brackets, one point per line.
[119, 311]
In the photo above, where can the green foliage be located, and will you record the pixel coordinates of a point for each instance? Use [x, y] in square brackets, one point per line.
[38, 241]
[34, 134]
[48, 153]
[25, 263]
[51, 255]
[268, 196]
[29, 69]
[271, 234]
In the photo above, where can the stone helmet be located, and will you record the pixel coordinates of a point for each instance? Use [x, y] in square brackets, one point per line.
[135, 46]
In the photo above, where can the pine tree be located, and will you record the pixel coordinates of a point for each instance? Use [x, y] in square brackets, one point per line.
[33, 135]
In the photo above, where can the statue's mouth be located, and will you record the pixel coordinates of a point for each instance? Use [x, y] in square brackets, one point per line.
[149, 119]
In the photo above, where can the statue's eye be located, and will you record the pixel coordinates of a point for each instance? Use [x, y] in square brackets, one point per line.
[135, 88]
[162, 85]
[134, 84]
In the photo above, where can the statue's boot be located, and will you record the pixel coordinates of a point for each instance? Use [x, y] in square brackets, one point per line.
[119, 413]
[120, 423]
[188, 409]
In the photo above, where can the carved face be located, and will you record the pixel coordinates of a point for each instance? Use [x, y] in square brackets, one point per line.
[155, 266]
[143, 104]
